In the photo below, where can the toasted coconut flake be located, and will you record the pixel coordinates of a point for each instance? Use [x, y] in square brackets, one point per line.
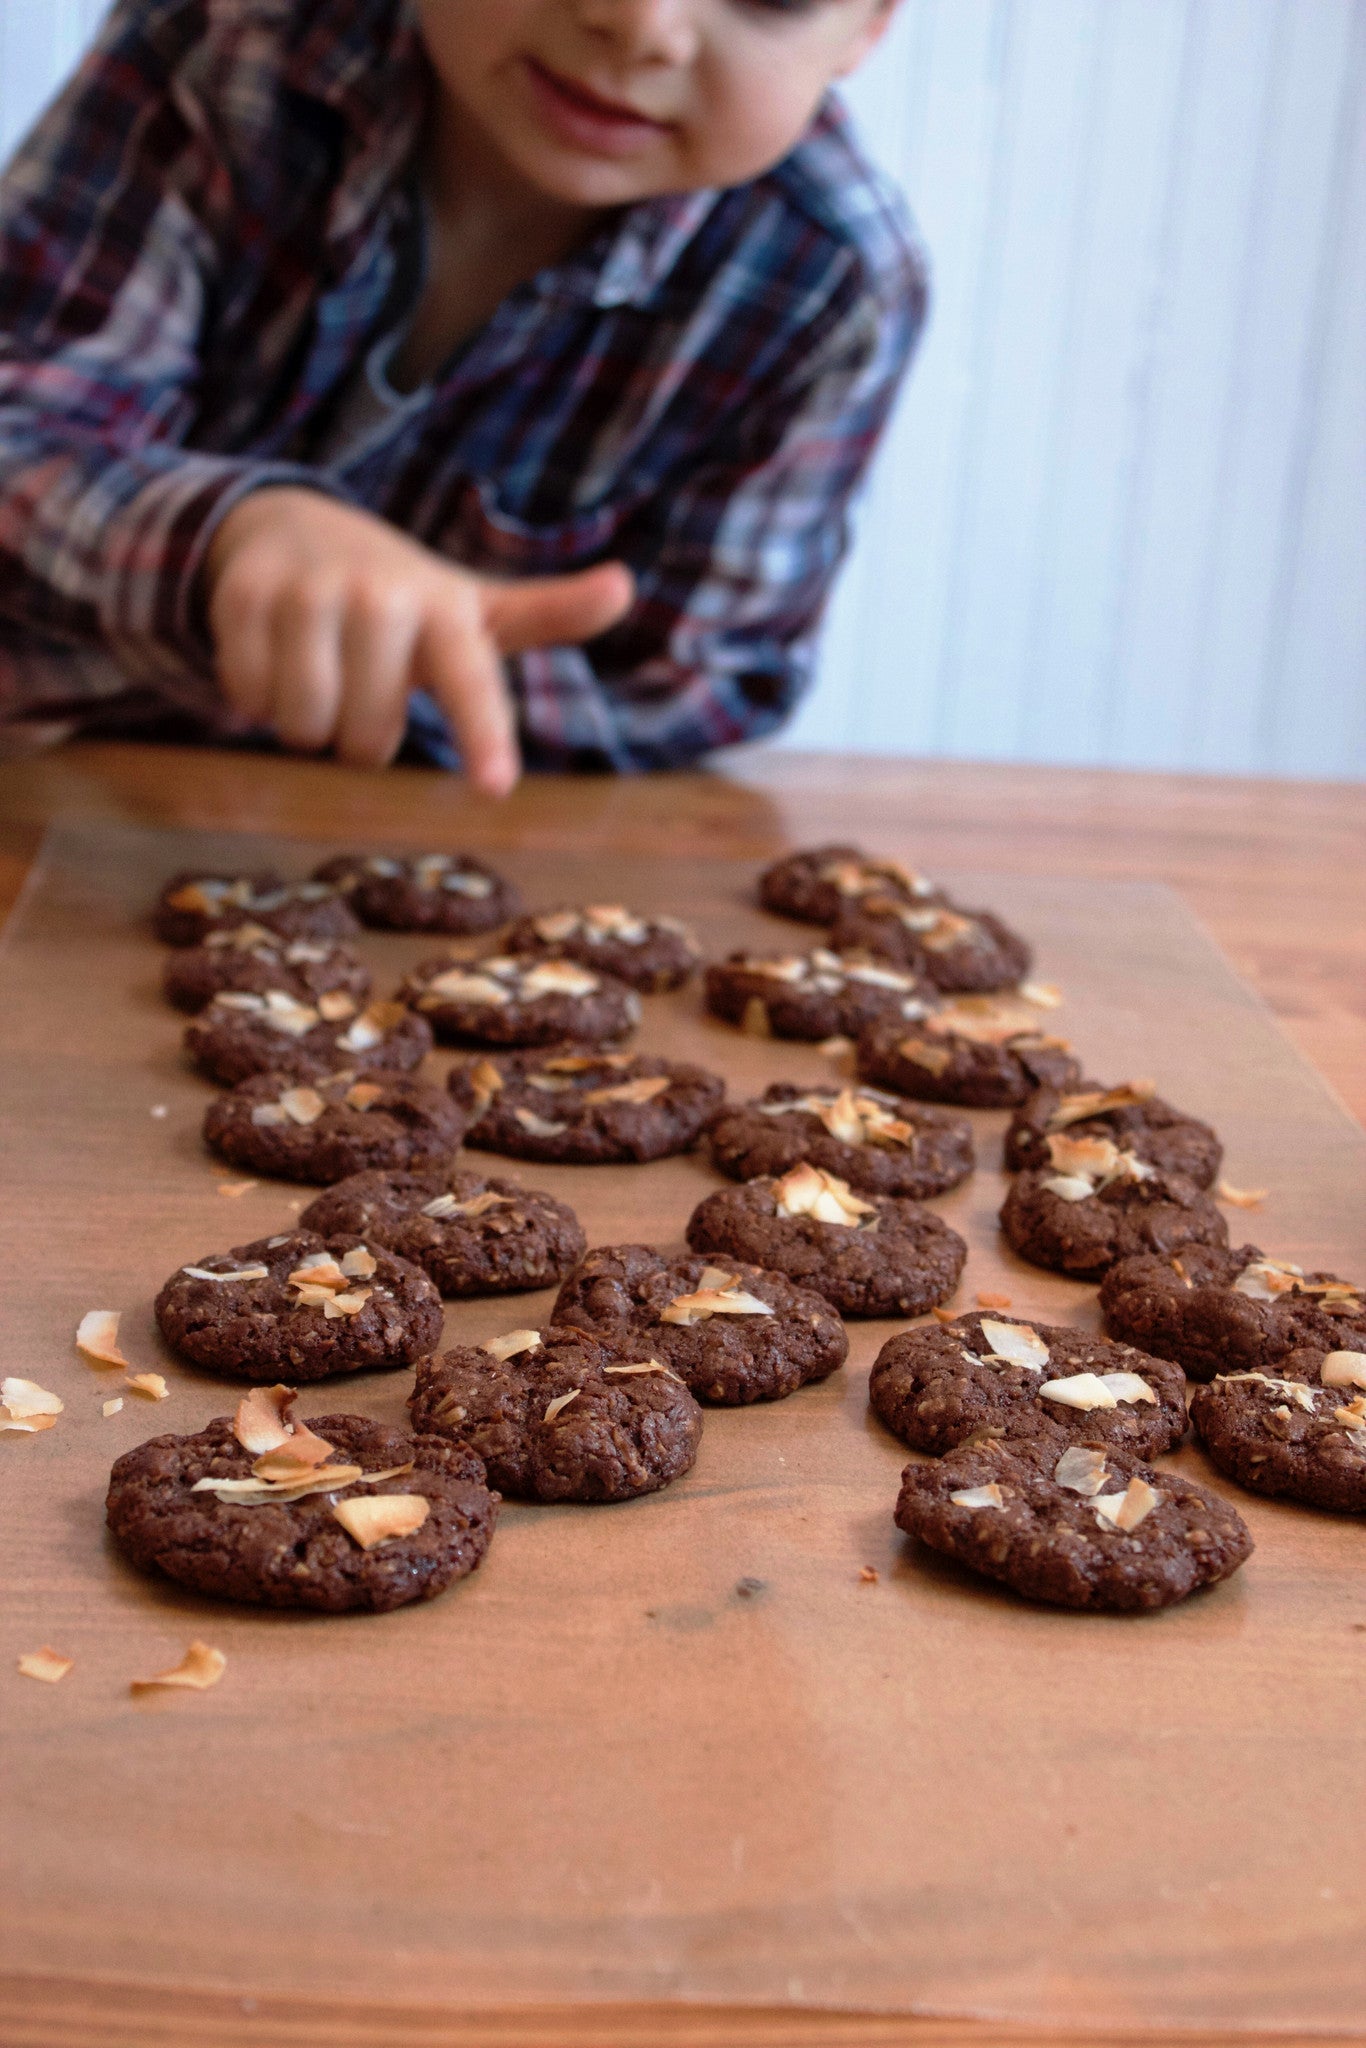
[1017, 1343]
[194, 896]
[159, 1110]
[234, 1273]
[538, 1126]
[1129, 1388]
[299, 1482]
[949, 930]
[300, 1454]
[1097, 1160]
[726, 1300]
[1081, 1470]
[486, 1081]
[558, 978]
[810, 1191]
[1044, 995]
[150, 1385]
[283, 1012]
[47, 1665]
[1268, 1279]
[349, 1304]
[463, 985]
[1084, 1390]
[1241, 1198]
[1068, 1187]
[379, 1517]
[23, 1399]
[1353, 1416]
[587, 1063]
[197, 1670]
[646, 1367]
[935, 1059]
[363, 1095]
[513, 1344]
[945, 1316]
[791, 967]
[1087, 1103]
[717, 1276]
[112, 1407]
[557, 926]
[97, 1338]
[644, 1089]
[302, 1106]
[1126, 1510]
[446, 1206]
[261, 1422]
[989, 1300]
[1343, 1369]
[836, 1048]
[989, 1496]
[559, 1404]
[336, 1006]
[372, 1027]
[320, 1271]
[868, 1575]
[460, 882]
[233, 1189]
[360, 1263]
[1285, 1390]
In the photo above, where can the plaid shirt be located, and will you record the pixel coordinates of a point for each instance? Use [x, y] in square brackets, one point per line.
[199, 245]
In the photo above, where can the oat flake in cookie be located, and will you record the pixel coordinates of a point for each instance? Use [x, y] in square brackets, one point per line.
[300, 1307]
[430, 892]
[1133, 1116]
[1215, 1310]
[1095, 1205]
[980, 1052]
[734, 1333]
[816, 885]
[942, 1383]
[190, 907]
[1297, 1434]
[241, 1034]
[878, 1143]
[470, 1235]
[249, 960]
[651, 954]
[323, 1130]
[1075, 1527]
[520, 999]
[339, 1515]
[962, 952]
[581, 1107]
[875, 1256]
[808, 995]
[558, 1415]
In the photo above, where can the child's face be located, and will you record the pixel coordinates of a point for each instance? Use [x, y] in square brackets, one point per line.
[601, 102]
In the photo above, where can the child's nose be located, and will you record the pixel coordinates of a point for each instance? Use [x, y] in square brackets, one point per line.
[649, 31]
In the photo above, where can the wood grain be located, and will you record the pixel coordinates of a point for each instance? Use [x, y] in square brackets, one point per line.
[1276, 871]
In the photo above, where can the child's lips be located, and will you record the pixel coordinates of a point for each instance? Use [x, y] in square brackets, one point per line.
[579, 116]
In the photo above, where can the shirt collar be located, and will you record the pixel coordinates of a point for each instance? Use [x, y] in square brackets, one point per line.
[648, 241]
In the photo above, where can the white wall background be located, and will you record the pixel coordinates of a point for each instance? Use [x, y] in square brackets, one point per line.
[1121, 516]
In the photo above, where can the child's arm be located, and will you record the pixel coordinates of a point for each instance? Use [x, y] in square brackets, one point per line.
[113, 222]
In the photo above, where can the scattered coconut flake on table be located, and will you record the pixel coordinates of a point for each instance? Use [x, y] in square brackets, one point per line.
[150, 1385]
[381, 1516]
[1241, 1198]
[868, 1575]
[197, 1670]
[112, 1407]
[47, 1665]
[234, 1188]
[97, 1337]
[27, 1407]
[986, 1300]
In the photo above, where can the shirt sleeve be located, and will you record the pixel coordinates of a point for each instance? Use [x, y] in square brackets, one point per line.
[734, 564]
[107, 277]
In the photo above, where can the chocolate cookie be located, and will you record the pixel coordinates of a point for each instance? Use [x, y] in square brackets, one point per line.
[470, 1235]
[982, 1052]
[585, 1108]
[814, 886]
[1133, 1116]
[561, 1415]
[322, 1131]
[807, 995]
[1215, 1310]
[249, 960]
[940, 1384]
[300, 1307]
[1299, 1434]
[1095, 1205]
[875, 1257]
[403, 1518]
[428, 892]
[877, 1143]
[648, 953]
[1077, 1528]
[962, 952]
[240, 1034]
[521, 999]
[192, 906]
[733, 1333]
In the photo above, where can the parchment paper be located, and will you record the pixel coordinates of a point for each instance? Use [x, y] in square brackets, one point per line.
[674, 1749]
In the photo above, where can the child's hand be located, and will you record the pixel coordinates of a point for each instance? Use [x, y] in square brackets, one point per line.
[325, 618]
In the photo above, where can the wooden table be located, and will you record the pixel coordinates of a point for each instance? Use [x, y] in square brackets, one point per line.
[1277, 872]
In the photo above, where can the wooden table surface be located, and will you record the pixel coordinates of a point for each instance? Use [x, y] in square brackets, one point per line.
[1276, 872]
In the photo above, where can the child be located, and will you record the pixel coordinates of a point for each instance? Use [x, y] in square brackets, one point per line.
[452, 369]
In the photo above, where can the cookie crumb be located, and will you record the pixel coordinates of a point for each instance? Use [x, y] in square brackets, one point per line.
[749, 1589]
